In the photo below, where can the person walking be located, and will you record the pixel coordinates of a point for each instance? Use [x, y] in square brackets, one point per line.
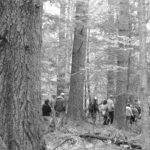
[129, 115]
[46, 113]
[104, 110]
[60, 109]
[93, 109]
[110, 105]
[137, 105]
[135, 115]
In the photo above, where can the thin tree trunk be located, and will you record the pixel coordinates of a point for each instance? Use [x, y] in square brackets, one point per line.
[111, 61]
[128, 75]
[143, 76]
[75, 108]
[129, 59]
[20, 48]
[68, 43]
[87, 74]
[62, 52]
[85, 97]
[110, 75]
[88, 63]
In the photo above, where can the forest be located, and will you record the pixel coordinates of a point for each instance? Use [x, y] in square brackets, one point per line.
[74, 74]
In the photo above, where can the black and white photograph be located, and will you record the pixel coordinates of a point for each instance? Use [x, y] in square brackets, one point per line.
[74, 74]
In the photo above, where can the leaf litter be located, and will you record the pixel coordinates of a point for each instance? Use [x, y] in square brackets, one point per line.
[68, 138]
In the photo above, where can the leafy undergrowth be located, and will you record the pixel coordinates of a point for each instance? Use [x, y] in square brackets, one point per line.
[68, 138]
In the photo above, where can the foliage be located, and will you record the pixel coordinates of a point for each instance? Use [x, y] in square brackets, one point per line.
[103, 38]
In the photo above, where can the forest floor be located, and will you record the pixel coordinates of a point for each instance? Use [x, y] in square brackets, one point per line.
[86, 136]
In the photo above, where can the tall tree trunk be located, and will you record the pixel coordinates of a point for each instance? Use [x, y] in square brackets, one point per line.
[85, 98]
[75, 109]
[88, 63]
[143, 75]
[128, 75]
[68, 44]
[110, 75]
[87, 90]
[111, 60]
[20, 47]
[62, 52]
[122, 56]
[129, 62]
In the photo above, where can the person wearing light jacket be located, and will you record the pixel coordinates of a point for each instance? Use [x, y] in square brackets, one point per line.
[129, 114]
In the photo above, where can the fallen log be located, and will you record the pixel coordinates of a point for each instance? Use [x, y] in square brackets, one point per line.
[113, 141]
[102, 138]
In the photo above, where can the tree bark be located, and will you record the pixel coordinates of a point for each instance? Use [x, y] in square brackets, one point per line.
[122, 61]
[62, 50]
[75, 109]
[68, 45]
[143, 75]
[110, 75]
[111, 60]
[20, 47]
[88, 64]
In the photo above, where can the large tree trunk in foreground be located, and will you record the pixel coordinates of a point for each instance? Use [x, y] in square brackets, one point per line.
[143, 76]
[122, 61]
[20, 45]
[75, 109]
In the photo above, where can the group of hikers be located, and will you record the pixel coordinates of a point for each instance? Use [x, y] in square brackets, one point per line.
[59, 108]
[105, 109]
[133, 112]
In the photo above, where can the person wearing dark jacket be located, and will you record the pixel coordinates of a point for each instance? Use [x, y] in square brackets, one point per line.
[46, 113]
[46, 109]
[93, 109]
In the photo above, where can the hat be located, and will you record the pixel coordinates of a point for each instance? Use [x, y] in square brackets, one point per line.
[111, 96]
[95, 98]
[62, 94]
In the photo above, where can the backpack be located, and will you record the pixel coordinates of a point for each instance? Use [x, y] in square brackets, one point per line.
[138, 109]
[59, 105]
